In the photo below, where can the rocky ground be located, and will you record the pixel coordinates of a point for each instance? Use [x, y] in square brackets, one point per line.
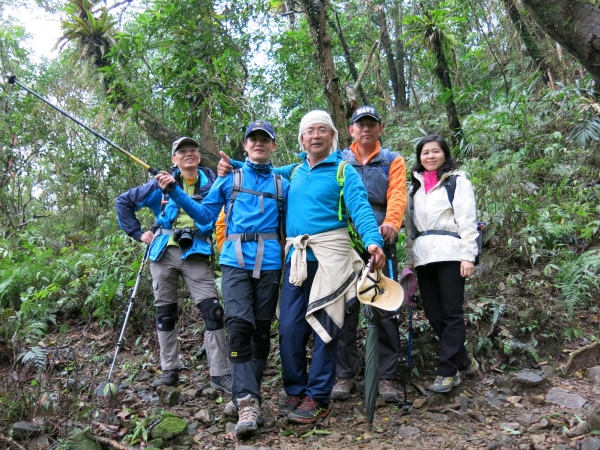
[49, 394]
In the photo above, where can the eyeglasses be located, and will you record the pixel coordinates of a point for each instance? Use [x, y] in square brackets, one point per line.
[185, 151]
[322, 131]
[369, 125]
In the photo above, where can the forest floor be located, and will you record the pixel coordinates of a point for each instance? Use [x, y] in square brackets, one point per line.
[529, 409]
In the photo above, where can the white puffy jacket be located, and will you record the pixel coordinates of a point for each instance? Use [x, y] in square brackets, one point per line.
[433, 211]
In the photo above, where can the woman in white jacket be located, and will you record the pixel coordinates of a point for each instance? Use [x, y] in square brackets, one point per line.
[441, 244]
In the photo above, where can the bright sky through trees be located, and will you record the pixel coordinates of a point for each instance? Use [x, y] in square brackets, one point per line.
[43, 28]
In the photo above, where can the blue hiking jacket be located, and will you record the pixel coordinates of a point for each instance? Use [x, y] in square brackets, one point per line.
[245, 217]
[314, 197]
[150, 196]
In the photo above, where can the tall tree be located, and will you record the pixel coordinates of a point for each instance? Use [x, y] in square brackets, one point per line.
[348, 56]
[316, 14]
[397, 17]
[575, 25]
[398, 87]
[91, 29]
[429, 29]
[528, 39]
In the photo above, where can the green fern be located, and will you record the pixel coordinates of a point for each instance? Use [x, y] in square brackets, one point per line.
[577, 279]
[36, 356]
[585, 132]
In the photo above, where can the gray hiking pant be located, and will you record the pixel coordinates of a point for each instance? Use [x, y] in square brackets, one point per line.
[199, 278]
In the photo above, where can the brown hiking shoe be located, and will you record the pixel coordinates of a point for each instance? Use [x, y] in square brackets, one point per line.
[341, 389]
[387, 391]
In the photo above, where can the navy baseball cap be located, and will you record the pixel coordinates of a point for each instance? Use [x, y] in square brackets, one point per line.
[260, 125]
[366, 111]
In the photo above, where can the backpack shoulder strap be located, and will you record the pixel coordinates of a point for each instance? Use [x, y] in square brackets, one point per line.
[411, 207]
[450, 185]
[237, 186]
[294, 171]
[340, 178]
[277, 179]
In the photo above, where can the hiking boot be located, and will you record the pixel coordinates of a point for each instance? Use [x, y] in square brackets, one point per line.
[168, 378]
[341, 389]
[309, 411]
[445, 384]
[290, 404]
[387, 391]
[223, 383]
[473, 367]
[231, 410]
[250, 417]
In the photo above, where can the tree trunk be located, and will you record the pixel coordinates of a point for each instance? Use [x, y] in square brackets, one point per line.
[348, 57]
[529, 41]
[400, 54]
[575, 25]
[442, 72]
[316, 14]
[389, 53]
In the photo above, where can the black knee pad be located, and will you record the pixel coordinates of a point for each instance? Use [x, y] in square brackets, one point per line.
[240, 341]
[166, 317]
[212, 313]
[262, 339]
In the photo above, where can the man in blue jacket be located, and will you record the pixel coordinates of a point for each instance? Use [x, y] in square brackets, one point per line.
[180, 247]
[321, 267]
[255, 200]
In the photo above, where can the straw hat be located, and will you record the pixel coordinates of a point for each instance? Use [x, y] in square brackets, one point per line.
[377, 290]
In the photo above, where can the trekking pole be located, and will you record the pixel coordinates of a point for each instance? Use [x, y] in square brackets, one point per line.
[12, 79]
[107, 388]
[406, 404]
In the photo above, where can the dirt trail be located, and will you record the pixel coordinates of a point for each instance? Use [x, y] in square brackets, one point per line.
[534, 409]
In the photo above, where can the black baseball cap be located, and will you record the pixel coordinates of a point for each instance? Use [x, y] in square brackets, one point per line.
[366, 111]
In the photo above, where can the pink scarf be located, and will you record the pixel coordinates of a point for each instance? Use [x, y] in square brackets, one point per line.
[431, 179]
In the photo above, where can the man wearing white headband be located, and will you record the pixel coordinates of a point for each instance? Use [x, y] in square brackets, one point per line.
[321, 267]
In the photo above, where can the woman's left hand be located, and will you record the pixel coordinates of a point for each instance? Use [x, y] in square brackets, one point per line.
[466, 269]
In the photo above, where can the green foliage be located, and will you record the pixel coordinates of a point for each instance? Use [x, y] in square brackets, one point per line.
[577, 279]
[42, 285]
[513, 347]
[36, 356]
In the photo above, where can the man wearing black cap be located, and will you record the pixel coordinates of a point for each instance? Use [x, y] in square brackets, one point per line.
[180, 247]
[254, 200]
[383, 173]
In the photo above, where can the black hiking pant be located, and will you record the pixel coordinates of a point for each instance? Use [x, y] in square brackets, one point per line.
[443, 294]
[348, 359]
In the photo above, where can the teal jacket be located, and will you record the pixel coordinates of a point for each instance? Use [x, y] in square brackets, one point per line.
[313, 200]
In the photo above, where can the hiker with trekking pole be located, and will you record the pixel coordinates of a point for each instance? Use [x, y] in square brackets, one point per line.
[383, 173]
[442, 244]
[176, 247]
[321, 267]
[254, 199]
[180, 247]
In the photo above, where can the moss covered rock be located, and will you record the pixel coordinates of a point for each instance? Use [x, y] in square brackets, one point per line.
[156, 443]
[83, 441]
[169, 427]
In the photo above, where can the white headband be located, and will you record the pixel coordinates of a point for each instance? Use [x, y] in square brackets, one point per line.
[318, 117]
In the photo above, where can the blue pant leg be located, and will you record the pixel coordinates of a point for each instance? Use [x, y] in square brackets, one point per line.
[322, 370]
[294, 331]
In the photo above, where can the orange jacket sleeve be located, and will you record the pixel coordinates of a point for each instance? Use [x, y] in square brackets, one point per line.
[396, 194]
[220, 229]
